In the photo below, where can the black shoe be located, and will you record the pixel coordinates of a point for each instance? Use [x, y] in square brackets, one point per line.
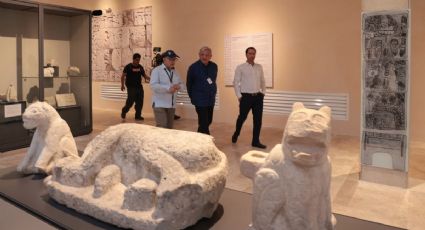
[139, 118]
[259, 145]
[123, 115]
[176, 117]
[234, 138]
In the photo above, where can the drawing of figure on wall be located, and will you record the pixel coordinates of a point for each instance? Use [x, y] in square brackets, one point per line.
[390, 81]
[384, 23]
[403, 26]
[400, 73]
[368, 46]
[384, 110]
[372, 75]
[402, 47]
[371, 24]
[387, 74]
[371, 99]
[385, 77]
[394, 47]
[378, 51]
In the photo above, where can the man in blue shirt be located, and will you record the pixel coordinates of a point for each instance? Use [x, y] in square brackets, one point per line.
[165, 82]
[202, 88]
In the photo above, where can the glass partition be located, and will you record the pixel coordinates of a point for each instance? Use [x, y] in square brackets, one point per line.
[19, 65]
[66, 65]
[45, 57]
[19, 45]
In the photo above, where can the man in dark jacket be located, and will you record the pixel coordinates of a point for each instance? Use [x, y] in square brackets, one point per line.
[202, 88]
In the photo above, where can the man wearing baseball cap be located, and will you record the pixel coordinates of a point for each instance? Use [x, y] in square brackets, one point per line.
[165, 82]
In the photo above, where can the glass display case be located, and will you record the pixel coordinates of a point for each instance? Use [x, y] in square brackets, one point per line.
[46, 57]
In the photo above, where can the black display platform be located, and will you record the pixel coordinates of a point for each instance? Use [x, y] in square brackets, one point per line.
[13, 135]
[234, 211]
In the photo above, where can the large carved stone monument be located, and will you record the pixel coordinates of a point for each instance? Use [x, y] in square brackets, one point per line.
[143, 177]
[52, 139]
[292, 182]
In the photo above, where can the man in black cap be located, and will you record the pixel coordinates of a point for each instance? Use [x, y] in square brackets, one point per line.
[165, 82]
[157, 61]
[132, 76]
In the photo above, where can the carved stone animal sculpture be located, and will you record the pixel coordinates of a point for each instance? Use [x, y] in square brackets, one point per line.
[143, 177]
[52, 139]
[292, 184]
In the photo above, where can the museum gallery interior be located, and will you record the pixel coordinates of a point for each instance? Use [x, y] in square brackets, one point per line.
[341, 116]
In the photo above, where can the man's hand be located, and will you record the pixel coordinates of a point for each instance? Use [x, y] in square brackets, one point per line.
[147, 79]
[122, 87]
[172, 89]
[176, 86]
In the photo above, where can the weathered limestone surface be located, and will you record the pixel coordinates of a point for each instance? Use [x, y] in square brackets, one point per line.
[52, 139]
[292, 182]
[143, 177]
[116, 36]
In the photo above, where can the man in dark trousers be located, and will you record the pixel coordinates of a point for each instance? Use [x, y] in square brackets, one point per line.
[250, 88]
[202, 88]
[132, 77]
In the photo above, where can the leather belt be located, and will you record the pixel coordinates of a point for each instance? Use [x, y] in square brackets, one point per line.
[252, 94]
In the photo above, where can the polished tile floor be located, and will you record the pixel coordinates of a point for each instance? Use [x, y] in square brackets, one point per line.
[393, 206]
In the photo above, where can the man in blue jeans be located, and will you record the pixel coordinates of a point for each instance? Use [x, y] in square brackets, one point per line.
[132, 77]
[202, 88]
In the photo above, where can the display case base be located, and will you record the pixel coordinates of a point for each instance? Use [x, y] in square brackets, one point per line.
[384, 176]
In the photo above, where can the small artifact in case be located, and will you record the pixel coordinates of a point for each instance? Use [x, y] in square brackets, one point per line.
[11, 95]
[73, 71]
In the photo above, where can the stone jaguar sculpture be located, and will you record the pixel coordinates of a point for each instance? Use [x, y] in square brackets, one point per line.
[143, 177]
[52, 139]
[292, 184]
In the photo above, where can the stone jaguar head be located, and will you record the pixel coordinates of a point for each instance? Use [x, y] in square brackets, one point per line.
[307, 135]
[38, 113]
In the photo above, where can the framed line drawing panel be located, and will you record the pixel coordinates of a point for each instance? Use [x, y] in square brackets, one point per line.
[385, 89]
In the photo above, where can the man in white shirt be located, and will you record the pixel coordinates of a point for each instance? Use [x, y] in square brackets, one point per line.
[165, 82]
[250, 89]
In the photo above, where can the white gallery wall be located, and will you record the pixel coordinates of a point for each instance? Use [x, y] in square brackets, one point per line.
[316, 48]
[7, 63]
[378, 5]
